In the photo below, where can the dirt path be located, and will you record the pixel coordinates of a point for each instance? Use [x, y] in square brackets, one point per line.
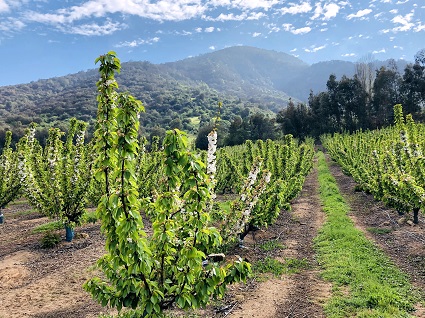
[296, 295]
[46, 283]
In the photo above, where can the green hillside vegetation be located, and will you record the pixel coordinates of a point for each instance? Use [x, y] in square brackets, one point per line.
[169, 103]
[252, 84]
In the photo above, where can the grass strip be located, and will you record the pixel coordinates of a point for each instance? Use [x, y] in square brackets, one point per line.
[277, 268]
[47, 227]
[88, 217]
[366, 283]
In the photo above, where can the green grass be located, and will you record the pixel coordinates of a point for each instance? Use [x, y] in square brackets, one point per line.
[377, 230]
[51, 226]
[277, 268]
[89, 217]
[376, 287]
[271, 245]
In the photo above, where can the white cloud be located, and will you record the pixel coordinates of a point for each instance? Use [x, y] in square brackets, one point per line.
[399, 47]
[293, 50]
[348, 54]
[255, 34]
[236, 17]
[212, 47]
[301, 30]
[11, 25]
[297, 8]
[138, 42]
[273, 27]
[359, 14]
[209, 29]
[4, 7]
[244, 4]
[171, 10]
[256, 15]
[93, 29]
[419, 27]
[394, 11]
[290, 28]
[331, 10]
[184, 32]
[198, 30]
[404, 21]
[328, 11]
[229, 17]
[314, 49]
[380, 51]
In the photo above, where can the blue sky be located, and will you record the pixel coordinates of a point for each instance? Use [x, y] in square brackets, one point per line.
[42, 39]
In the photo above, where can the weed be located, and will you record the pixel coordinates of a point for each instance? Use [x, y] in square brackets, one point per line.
[50, 240]
[271, 245]
[277, 268]
[90, 217]
[51, 226]
[377, 230]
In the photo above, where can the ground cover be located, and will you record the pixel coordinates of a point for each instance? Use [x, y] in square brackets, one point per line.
[366, 282]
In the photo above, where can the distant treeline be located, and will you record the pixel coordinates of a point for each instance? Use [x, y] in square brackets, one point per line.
[365, 101]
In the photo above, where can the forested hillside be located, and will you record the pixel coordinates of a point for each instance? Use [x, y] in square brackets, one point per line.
[252, 84]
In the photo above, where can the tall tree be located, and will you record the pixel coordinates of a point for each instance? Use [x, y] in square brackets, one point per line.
[295, 120]
[365, 72]
[386, 93]
[351, 97]
[413, 86]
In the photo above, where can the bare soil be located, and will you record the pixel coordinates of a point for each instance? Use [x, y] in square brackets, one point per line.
[46, 283]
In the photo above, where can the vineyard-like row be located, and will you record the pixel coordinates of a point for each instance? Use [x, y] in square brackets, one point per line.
[181, 192]
[389, 163]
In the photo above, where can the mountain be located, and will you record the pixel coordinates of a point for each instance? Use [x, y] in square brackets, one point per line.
[243, 71]
[179, 94]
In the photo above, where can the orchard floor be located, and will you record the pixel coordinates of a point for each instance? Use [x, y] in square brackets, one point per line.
[46, 283]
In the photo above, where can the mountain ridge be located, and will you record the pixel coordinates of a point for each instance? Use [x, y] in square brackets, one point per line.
[245, 78]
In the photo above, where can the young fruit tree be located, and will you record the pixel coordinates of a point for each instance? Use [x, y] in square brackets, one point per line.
[10, 185]
[169, 266]
[56, 179]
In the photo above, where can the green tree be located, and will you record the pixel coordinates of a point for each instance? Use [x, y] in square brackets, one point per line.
[386, 93]
[152, 273]
[56, 179]
[295, 120]
[413, 86]
[10, 184]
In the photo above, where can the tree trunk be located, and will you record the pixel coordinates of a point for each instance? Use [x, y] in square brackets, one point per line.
[416, 215]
